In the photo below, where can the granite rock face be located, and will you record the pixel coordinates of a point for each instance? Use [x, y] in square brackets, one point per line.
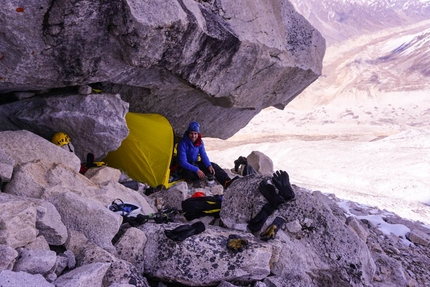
[208, 61]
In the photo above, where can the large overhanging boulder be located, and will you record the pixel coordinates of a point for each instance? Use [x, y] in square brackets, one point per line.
[209, 61]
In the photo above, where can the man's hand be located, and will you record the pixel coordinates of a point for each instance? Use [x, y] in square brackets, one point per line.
[200, 174]
[211, 170]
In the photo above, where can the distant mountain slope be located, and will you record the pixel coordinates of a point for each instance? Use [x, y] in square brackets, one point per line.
[375, 80]
[339, 20]
[372, 86]
[375, 47]
[396, 60]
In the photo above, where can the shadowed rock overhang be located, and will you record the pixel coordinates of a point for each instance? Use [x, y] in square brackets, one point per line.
[217, 63]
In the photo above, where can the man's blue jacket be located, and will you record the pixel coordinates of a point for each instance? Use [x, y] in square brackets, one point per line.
[188, 153]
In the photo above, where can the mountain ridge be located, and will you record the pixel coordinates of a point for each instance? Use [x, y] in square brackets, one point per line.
[339, 20]
[395, 60]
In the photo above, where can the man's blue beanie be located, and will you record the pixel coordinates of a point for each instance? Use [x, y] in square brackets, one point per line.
[194, 127]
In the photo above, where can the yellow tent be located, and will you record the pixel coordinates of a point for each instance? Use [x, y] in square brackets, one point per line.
[145, 154]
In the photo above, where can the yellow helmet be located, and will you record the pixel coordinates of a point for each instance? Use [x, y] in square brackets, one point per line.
[61, 139]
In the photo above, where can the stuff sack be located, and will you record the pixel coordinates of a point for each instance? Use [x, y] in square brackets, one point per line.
[201, 206]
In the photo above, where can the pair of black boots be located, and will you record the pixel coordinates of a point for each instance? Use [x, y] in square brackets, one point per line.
[281, 180]
[247, 169]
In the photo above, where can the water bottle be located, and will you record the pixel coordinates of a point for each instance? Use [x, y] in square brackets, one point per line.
[210, 179]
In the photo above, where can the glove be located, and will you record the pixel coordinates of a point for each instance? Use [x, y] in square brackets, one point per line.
[269, 192]
[182, 232]
[282, 182]
[273, 228]
[258, 221]
[235, 243]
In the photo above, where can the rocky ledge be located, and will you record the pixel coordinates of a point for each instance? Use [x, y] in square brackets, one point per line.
[56, 230]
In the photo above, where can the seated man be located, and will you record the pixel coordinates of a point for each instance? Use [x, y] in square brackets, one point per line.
[189, 149]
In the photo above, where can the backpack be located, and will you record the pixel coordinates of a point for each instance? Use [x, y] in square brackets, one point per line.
[201, 206]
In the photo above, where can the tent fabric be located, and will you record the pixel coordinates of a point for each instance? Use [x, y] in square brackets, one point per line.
[146, 152]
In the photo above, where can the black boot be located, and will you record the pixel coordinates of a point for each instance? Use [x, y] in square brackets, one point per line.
[230, 181]
[182, 232]
[241, 160]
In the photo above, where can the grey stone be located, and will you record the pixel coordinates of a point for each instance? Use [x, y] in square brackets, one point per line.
[85, 90]
[51, 277]
[100, 175]
[60, 265]
[418, 237]
[123, 272]
[130, 247]
[8, 257]
[357, 227]
[18, 220]
[19, 279]
[389, 270]
[217, 190]
[293, 226]
[91, 253]
[71, 260]
[326, 250]
[6, 166]
[171, 197]
[87, 275]
[35, 261]
[39, 243]
[33, 179]
[64, 260]
[33, 147]
[276, 281]
[48, 220]
[236, 212]
[307, 222]
[75, 241]
[203, 254]
[6, 171]
[41, 179]
[88, 216]
[49, 224]
[260, 162]
[181, 187]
